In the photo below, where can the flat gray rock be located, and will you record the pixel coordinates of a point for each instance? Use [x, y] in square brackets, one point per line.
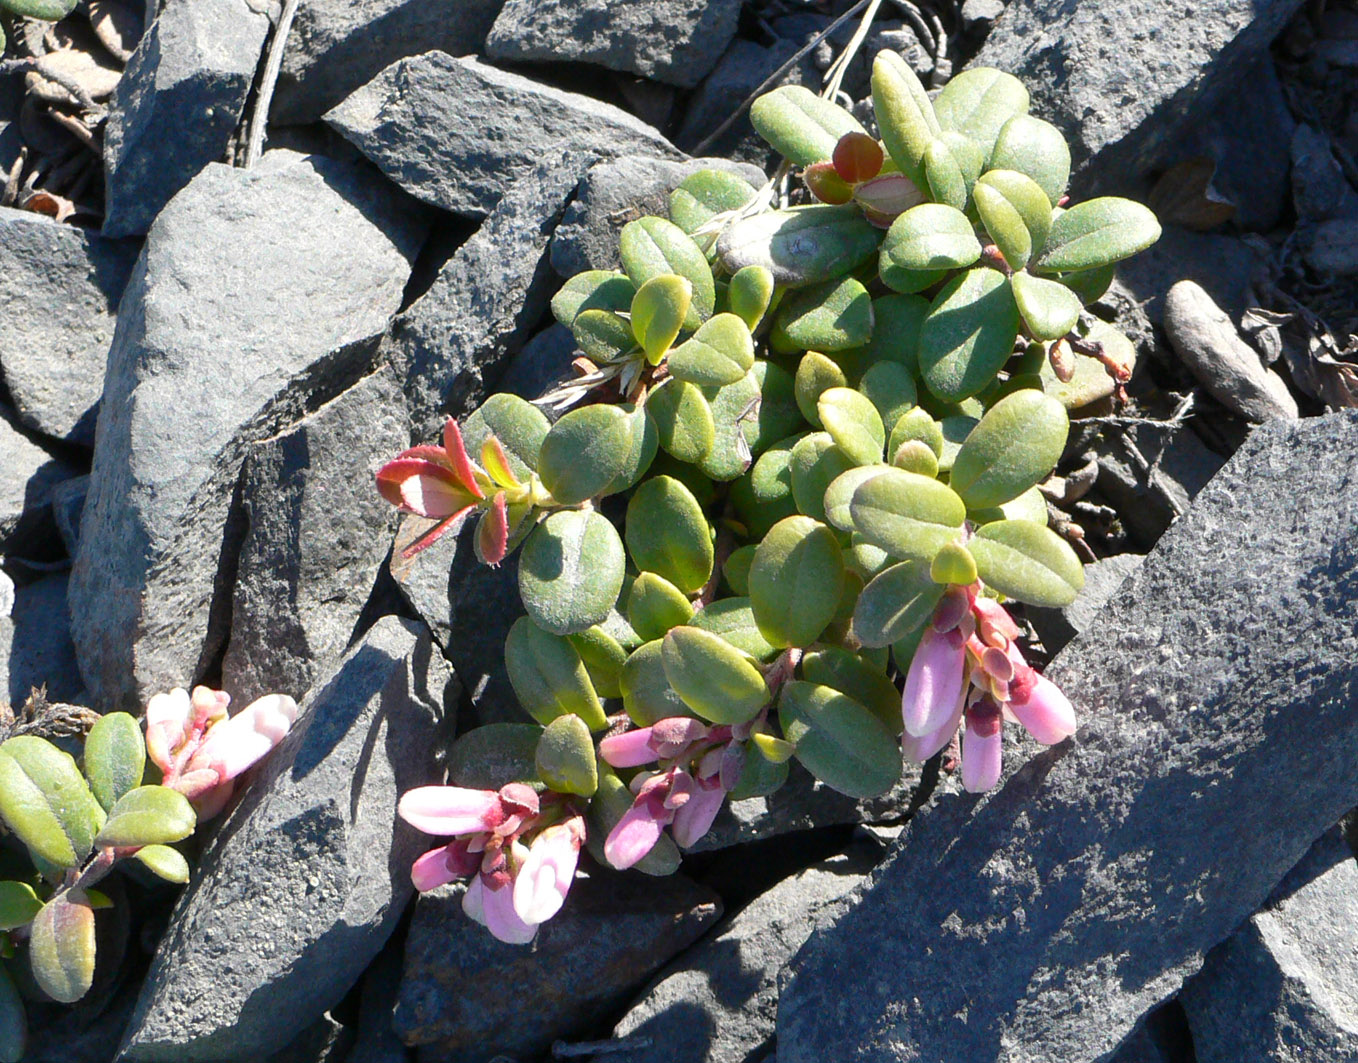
[1121, 78]
[673, 41]
[28, 476]
[60, 287]
[304, 881]
[717, 1002]
[617, 191]
[337, 46]
[259, 295]
[1217, 741]
[1056, 627]
[317, 535]
[467, 998]
[1284, 986]
[177, 104]
[458, 133]
[449, 348]
[544, 362]
[35, 643]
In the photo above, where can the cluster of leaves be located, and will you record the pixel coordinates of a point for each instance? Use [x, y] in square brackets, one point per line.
[821, 429]
[76, 821]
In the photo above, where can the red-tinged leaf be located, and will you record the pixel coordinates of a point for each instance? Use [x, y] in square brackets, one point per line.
[496, 461]
[427, 452]
[884, 198]
[435, 533]
[457, 454]
[492, 537]
[826, 185]
[421, 487]
[857, 158]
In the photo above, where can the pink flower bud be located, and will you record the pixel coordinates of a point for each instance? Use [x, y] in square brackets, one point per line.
[545, 876]
[694, 819]
[1043, 710]
[636, 833]
[167, 721]
[919, 748]
[494, 909]
[982, 747]
[993, 622]
[423, 487]
[236, 744]
[934, 682]
[444, 811]
[628, 750]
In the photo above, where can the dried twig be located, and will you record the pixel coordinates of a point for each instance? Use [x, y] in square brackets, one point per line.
[259, 120]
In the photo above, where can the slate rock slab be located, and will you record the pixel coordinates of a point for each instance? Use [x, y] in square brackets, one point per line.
[337, 46]
[673, 41]
[543, 363]
[317, 537]
[617, 191]
[468, 998]
[28, 476]
[1121, 78]
[1217, 741]
[60, 287]
[456, 133]
[1285, 985]
[716, 1003]
[308, 876]
[35, 643]
[177, 104]
[1056, 627]
[450, 346]
[259, 295]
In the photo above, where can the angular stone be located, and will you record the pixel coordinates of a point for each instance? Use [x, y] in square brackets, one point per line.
[317, 535]
[258, 297]
[1319, 188]
[544, 362]
[457, 133]
[467, 998]
[60, 287]
[28, 476]
[450, 347]
[1056, 627]
[337, 46]
[617, 191]
[469, 608]
[717, 1002]
[35, 644]
[302, 884]
[1150, 475]
[377, 1041]
[674, 41]
[1333, 247]
[68, 502]
[1231, 371]
[177, 105]
[1122, 78]
[1216, 703]
[1285, 985]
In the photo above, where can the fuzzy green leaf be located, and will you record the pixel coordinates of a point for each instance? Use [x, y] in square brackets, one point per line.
[1027, 562]
[646, 692]
[164, 862]
[733, 619]
[570, 571]
[796, 581]
[46, 802]
[839, 494]
[712, 677]
[115, 757]
[650, 247]
[655, 605]
[833, 316]
[148, 815]
[899, 600]
[494, 755]
[658, 312]
[904, 114]
[603, 335]
[968, 335]
[1097, 232]
[860, 679]
[750, 292]
[978, 102]
[853, 423]
[801, 246]
[585, 452]
[801, 126]
[907, 515]
[1014, 446]
[603, 657]
[932, 236]
[565, 757]
[1016, 213]
[816, 463]
[61, 947]
[839, 740]
[1036, 148]
[1049, 308]
[516, 423]
[549, 677]
[19, 905]
[702, 195]
[720, 352]
[890, 387]
[668, 533]
[683, 420]
[594, 289]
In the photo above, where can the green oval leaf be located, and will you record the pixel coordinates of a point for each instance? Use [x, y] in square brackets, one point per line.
[890, 387]
[1027, 562]
[904, 114]
[164, 862]
[1036, 148]
[907, 515]
[603, 335]
[668, 533]
[494, 755]
[603, 657]
[978, 102]
[519, 426]
[115, 757]
[46, 802]
[750, 292]
[1097, 232]
[712, 677]
[643, 445]
[1016, 214]
[932, 236]
[796, 581]
[658, 312]
[916, 425]
[46, 10]
[858, 678]
[594, 289]
[833, 316]
[816, 463]
[969, 334]
[655, 605]
[570, 571]
[720, 352]
[702, 195]
[1049, 308]
[731, 452]
[683, 420]
[840, 493]
[733, 620]
[1014, 446]
[853, 423]
[611, 802]
[19, 905]
[549, 677]
[801, 246]
[61, 948]
[148, 815]
[650, 247]
[816, 374]
[646, 692]
[896, 602]
[565, 757]
[585, 452]
[801, 126]
[838, 740]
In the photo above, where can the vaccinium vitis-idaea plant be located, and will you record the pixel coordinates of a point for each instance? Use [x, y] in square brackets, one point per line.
[828, 422]
[78, 820]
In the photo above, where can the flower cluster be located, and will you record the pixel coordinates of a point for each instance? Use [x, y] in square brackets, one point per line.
[201, 749]
[518, 848]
